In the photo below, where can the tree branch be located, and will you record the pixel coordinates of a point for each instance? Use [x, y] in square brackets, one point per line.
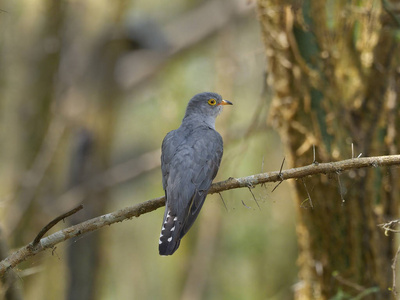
[232, 183]
[53, 223]
[313, 169]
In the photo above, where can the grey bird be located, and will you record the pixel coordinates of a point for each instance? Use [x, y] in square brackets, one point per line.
[190, 160]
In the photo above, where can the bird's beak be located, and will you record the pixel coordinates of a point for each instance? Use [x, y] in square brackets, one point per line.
[225, 102]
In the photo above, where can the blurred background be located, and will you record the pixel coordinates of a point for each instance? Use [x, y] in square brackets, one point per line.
[88, 90]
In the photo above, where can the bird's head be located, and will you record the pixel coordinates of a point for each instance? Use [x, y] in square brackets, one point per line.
[206, 104]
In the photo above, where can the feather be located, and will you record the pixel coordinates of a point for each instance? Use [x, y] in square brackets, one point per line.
[190, 160]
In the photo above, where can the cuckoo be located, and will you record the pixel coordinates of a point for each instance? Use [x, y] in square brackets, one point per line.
[190, 160]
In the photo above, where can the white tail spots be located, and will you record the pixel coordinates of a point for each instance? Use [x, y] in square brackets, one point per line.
[165, 231]
[168, 216]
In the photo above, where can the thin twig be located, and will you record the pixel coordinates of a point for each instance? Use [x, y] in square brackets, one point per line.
[223, 201]
[394, 272]
[308, 194]
[50, 241]
[340, 188]
[254, 197]
[388, 226]
[276, 186]
[348, 283]
[280, 175]
[314, 155]
[52, 223]
[244, 204]
[280, 170]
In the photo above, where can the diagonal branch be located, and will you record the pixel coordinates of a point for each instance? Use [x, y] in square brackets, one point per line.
[53, 223]
[232, 183]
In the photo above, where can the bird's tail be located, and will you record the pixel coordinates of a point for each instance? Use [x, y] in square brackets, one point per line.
[169, 237]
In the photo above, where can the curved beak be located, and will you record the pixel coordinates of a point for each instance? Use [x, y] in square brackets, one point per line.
[225, 102]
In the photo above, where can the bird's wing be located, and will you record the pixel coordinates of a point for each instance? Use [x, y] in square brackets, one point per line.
[208, 149]
[190, 160]
[192, 171]
[168, 151]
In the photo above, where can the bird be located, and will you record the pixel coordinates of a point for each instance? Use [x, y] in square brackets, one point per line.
[190, 159]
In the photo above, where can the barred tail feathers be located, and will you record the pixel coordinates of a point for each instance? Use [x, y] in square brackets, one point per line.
[169, 237]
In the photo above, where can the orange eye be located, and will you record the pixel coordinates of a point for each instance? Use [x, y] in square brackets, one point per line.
[212, 101]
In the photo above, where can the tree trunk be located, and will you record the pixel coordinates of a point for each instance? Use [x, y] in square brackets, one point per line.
[332, 67]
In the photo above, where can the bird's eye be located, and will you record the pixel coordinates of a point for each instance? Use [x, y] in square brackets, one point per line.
[212, 101]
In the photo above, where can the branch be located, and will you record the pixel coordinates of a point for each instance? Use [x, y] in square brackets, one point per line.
[53, 223]
[313, 169]
[90, 225]
[232, 183]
